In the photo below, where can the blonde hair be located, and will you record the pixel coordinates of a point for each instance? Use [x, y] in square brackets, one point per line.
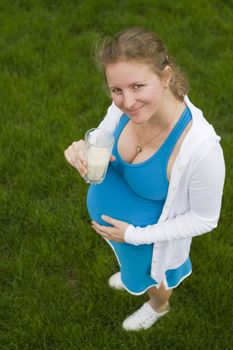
[142, 46]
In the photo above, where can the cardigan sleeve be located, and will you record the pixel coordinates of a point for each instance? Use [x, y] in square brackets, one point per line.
[112, 118]
[205, 195]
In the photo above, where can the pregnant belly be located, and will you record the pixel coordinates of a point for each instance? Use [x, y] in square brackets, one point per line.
[113, 197]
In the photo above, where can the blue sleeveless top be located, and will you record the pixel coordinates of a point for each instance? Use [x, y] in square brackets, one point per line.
[136, 193]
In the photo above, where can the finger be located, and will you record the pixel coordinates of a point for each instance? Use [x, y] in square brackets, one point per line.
[77, 162]
[108, 236]
[82, 169]
[76, 151]
[99, 231]
[109, 230]
[74, 155]
[103, 234]
[99, 227]
[78, 165]
[82, 157]
[112, 158]
[110, 220]
[70, 156]
[67, 156]
[81, 163]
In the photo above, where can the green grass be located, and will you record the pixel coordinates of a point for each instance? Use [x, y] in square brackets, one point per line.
[53, 267]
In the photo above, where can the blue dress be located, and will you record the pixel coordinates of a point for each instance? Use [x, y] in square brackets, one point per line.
[136, 193]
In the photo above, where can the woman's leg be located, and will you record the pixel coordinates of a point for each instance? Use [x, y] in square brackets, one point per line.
[145, 317]
[159, 297]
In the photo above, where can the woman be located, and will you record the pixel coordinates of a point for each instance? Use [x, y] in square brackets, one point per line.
[165, 181]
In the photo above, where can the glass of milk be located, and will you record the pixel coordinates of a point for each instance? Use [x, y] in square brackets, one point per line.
[98, 150]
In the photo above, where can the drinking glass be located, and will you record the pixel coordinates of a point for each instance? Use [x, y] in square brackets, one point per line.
[98, 149]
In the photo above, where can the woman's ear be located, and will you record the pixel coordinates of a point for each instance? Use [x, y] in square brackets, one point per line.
[166, 76]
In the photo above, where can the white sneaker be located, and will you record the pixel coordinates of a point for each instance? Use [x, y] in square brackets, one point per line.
[143, 318]
[115, 281]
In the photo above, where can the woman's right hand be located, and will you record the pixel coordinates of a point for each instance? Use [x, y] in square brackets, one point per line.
[74, 155]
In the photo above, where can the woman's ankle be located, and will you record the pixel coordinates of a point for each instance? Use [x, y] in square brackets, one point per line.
[159, 307]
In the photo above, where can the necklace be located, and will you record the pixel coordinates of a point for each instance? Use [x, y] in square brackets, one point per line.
[139, 145]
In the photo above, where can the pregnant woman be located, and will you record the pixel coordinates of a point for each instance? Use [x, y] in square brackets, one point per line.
[165, 180]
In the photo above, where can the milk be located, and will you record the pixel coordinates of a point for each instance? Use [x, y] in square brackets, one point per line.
[98, 148]
[97, 162]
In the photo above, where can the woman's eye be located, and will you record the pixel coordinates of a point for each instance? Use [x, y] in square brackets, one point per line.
[115, 91]
[137, 86]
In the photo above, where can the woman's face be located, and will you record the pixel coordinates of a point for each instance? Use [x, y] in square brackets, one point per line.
[136, 89]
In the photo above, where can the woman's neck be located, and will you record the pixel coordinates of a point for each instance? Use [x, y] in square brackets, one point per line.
[166, 116]
[169, 112]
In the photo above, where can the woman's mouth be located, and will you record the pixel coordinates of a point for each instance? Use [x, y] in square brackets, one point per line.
[133, 111]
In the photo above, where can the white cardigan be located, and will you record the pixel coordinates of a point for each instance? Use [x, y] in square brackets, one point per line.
[193, 202]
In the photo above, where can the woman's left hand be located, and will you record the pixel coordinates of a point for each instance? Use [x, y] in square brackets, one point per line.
[116, 232]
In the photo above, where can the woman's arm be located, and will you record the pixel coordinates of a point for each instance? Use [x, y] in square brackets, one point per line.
[205, 196]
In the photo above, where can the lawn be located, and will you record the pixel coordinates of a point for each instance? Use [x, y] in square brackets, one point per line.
[53, 267]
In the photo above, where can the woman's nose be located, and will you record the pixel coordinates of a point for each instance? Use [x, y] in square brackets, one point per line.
[128, 101]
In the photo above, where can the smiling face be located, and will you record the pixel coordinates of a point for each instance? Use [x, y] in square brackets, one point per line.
[136, 89]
